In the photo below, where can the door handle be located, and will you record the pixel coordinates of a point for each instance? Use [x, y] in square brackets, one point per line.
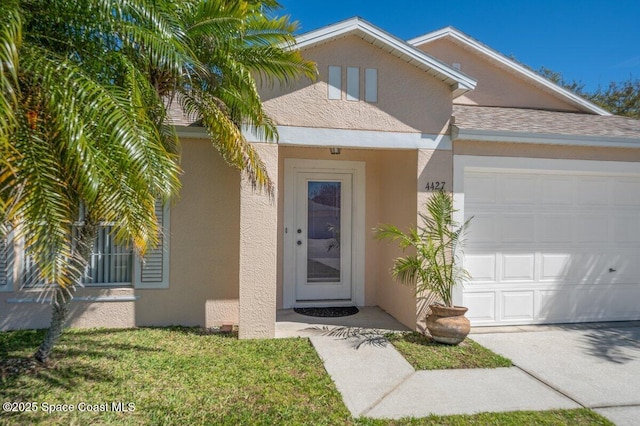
[299, 231]
[299, 243]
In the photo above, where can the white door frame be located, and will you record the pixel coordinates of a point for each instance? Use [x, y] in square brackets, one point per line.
[357, 169]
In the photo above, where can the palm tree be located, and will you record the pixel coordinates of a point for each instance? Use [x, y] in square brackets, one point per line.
[80, 146]
[83, 133]
[434, 265]
[239, 48]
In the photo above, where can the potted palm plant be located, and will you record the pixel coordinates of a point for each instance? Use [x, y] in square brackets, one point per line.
[434, 267]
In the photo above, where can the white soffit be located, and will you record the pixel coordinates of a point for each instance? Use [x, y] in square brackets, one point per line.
[459, 82]
[463, 39]
[351, 138]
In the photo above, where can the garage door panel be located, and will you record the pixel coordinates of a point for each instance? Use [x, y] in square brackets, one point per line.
[556, 267]
[484, 229]
[518, 305]
[622, 267]
[626, 229]
[481, 267]
[481, 306]
[557, 190]
[552, 247]
[521, 189]
[556, 228]
[593, 191]
[517, 228]
[593, 268]
[626, 192]
[592, 228]
[482, 189]
[518, 267]
[556, 305]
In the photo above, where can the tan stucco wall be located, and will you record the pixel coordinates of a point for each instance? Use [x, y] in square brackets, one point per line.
[496, 86]
[258, 253]
[82, 314]
[505, 149]
[204, 260]
[409, 100]
[205, 228]
[398, 206]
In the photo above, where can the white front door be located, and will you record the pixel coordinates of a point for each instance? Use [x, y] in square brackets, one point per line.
[322, 236]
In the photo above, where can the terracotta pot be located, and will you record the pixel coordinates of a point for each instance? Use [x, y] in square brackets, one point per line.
[448, 324]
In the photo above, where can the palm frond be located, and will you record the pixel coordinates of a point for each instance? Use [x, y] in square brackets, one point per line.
[435, 266]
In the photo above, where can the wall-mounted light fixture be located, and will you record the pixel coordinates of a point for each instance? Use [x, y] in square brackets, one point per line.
[334, 150]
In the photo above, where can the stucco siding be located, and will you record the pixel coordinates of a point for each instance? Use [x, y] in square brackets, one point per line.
[409, 100]
[204, 261]
[258, 253]
[398, 206]
[496, 86]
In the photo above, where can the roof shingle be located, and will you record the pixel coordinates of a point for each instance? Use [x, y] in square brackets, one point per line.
[519, 120]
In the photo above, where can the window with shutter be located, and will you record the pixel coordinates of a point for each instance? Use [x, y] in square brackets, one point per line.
[110, 265]
[6, 263]
[153, 270]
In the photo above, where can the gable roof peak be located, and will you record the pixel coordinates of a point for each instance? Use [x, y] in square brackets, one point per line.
[528, 74]
[459, 82]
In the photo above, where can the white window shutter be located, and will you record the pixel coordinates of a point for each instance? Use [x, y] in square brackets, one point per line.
[353, 84]
[371, 85]
[335, 82]
[153, 270]
[6, 263]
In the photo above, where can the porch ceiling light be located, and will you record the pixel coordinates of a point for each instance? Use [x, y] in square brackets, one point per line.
[334, 150]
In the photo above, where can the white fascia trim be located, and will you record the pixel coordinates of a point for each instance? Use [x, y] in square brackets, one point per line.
[344, 138]
[459, 81]
[543, 138]
[514, 66]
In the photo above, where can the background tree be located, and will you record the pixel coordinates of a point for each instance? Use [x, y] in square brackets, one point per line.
[619, 98]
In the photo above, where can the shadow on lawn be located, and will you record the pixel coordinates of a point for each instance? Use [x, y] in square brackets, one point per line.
[68, 363]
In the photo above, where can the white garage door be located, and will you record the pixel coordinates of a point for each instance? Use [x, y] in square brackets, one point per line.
[550, 246]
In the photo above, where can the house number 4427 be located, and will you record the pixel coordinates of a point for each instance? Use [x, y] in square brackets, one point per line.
[435, 186]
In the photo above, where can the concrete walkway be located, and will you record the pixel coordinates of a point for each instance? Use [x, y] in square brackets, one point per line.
[555, 368]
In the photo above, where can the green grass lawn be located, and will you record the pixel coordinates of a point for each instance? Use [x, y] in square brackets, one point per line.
[186, 377]
[424, 354]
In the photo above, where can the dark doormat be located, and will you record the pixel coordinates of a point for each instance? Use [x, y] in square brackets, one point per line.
[335, 311]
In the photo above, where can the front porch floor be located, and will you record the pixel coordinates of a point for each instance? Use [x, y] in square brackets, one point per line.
[291, 324]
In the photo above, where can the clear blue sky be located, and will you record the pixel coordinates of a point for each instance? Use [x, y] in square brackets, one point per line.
[592, 41]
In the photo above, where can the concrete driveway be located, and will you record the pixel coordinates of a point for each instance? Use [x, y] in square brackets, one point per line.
[596, 365]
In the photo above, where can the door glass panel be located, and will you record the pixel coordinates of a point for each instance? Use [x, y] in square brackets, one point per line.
[323, 235]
